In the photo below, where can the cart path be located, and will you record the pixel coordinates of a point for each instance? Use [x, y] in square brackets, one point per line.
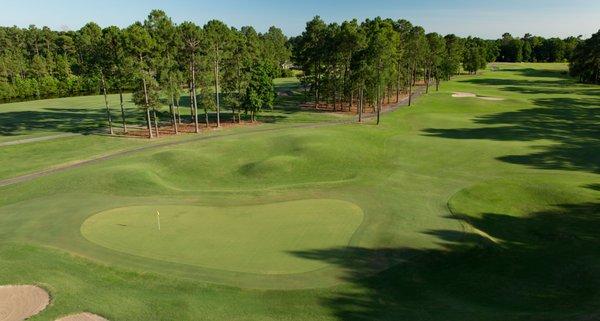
[37, 139]
[98, 159]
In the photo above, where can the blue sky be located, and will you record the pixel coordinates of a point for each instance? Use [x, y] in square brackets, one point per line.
[483, 18]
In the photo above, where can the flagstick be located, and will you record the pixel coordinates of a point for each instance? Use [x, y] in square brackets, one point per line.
[158, 219]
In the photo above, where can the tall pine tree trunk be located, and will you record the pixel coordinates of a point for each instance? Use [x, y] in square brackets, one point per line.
[410, 85]
[316, 88]
[177, 110]
[217, 89]
[239, 94]
[196, 128]
[173, 118]
[334, 98]
[148, 121]
[150, 135]
[122, 109]
[205, 113]
[427, 81]
[388, 94]
[360, 103]
[191, 103]
[108, 117]
[398, 79]
[155, 122]
[378, 100]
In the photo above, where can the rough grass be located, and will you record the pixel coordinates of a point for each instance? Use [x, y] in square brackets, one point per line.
[521, 176]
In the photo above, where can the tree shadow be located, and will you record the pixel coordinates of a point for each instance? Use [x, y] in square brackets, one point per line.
[539, 72]
[80, 120]
[541, 82]
[543, 266]
[595, 187]
[89, 121]
[570, 123]
[562, 82]
[553, 91]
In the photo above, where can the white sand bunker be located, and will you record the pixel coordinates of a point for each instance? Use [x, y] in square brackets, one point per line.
[463, 95]
[85, 316]
[19, 302]
[471, 95]
[490, 98]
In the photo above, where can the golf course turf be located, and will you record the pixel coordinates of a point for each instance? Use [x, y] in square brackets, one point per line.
[252, 239]
[453, 208]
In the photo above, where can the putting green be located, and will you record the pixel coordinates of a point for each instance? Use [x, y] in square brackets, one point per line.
[258, 239]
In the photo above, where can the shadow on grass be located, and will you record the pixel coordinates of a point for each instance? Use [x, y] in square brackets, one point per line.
[539, 72]
[542, 82]
[84, 121]
[93, 120]
[545, 267]
[571, 123]
[540, 266]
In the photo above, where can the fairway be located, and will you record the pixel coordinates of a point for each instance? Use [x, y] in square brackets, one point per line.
[466, 208]
[252, 239]
[249, 167]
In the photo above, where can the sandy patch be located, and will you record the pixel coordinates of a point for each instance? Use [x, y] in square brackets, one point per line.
[19, 302]
[85, 316]
[463, 95]
[471, 95]
[491, 98]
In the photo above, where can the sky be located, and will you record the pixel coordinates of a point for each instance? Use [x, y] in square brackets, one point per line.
[482, 18]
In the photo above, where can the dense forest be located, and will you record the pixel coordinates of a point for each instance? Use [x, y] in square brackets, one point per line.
[585, 61]
[38, 62]
[534, 48]
[342, 64]
[373, 61]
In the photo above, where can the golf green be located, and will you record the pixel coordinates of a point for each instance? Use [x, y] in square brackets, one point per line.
[257, 239]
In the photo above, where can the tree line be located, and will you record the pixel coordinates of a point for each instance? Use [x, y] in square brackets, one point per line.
[344, 65]
[368, 62]
[585, 61]
[531, 48]
[376, 61]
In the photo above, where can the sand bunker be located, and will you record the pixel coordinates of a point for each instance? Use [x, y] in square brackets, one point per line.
[490, 98]
[19, 302]
[463, 95]
[471, 95]
[85, 316]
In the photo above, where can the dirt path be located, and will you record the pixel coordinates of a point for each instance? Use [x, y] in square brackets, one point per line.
[37, 139]
[98, 159]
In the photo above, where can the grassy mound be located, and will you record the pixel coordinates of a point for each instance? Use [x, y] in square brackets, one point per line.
[251, 239]
[532, 243]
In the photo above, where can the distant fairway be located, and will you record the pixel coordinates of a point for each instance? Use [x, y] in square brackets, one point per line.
[252, 239]
[461, 209]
